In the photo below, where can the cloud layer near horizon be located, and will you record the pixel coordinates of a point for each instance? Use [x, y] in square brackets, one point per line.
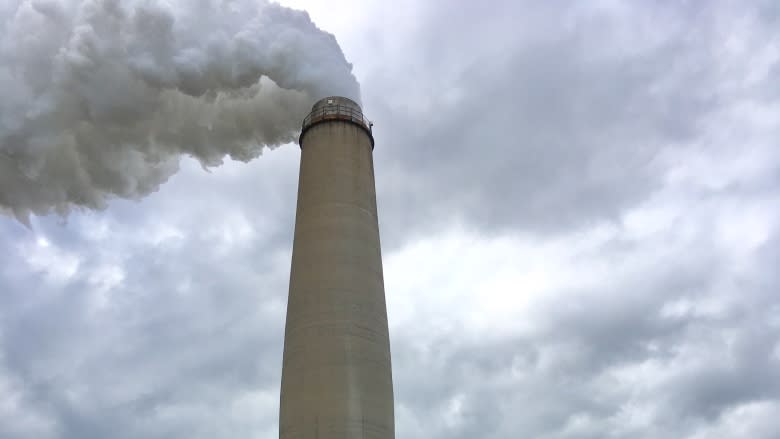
[579, 223]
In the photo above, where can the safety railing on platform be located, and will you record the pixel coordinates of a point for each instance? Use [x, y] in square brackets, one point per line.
[339, 112]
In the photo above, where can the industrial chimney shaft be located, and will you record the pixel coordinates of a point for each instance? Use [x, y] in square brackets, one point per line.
[336, 374]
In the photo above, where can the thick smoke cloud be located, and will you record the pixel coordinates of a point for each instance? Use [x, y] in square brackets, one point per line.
[100, 98]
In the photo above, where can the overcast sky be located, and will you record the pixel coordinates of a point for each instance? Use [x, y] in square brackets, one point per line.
[580, 216]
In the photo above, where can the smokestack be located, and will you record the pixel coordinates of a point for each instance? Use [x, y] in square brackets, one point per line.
[336, 374]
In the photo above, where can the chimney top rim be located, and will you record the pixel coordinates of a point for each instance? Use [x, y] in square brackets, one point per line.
[336, 100]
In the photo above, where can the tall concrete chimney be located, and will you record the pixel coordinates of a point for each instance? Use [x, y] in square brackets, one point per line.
[336, 375]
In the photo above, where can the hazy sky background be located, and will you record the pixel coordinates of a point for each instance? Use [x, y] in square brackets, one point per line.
[580, 227]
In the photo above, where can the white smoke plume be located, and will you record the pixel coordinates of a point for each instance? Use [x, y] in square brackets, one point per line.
[101, 98]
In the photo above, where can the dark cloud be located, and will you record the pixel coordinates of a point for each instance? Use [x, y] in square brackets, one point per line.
[549, 117]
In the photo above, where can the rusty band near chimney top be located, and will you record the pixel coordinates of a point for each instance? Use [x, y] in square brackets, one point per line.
[336, 108]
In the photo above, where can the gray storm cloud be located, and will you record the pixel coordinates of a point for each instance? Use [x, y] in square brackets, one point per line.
[100, 98]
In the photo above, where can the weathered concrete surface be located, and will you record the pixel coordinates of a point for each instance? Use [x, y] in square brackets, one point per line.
[336, 375]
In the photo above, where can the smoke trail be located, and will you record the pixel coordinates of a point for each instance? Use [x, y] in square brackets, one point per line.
[100, 98]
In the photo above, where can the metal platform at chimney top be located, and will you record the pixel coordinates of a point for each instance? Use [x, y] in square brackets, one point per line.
[336, 108]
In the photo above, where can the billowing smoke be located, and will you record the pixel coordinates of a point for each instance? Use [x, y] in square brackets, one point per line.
[101, 98]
